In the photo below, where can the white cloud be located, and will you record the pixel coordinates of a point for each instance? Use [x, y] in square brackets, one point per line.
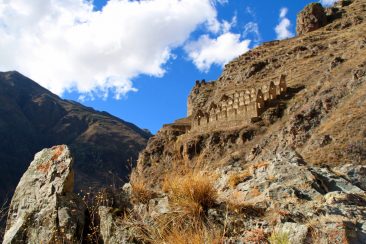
[327, 2]
[283, 12]
[217, 27]
[207, 51]
[65, 45]
[252, 28]
[251, 12]
[282, 29]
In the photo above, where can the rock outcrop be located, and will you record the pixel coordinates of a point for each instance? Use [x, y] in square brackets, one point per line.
[280, 198]
[311, 18]
[44, 208]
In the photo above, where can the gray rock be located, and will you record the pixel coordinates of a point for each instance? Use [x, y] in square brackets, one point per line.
[311, 18]
[356, 174]
[333, 182]
[109, 230]
[44, 209]
[158, 206]
[127, 188]
[335, 197]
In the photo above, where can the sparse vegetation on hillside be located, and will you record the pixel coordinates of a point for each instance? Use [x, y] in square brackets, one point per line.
[141, 191]
[192, 193]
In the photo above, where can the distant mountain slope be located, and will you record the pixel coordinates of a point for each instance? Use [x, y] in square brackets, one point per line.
[32, 118]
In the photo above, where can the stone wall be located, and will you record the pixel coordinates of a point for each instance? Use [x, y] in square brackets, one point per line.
[239, 107]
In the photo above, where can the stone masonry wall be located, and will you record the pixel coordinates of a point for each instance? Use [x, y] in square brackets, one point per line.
[238, 108]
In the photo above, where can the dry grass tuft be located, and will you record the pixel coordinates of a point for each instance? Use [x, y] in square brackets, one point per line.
[194, 236]
[140, 191]
[235, 203]
[173, 227]
[238, 177]
[247, 209]
[193, 192]
[255, 236]
[254, 192]
[260, 165]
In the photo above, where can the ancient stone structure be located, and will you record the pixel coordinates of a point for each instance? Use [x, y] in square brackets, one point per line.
[229, 108]
[238, 107]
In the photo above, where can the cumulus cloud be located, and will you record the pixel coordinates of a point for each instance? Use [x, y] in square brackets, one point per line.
[65, 45]
[207, 51]
[218, 50]
[282, 29]
[327, 2]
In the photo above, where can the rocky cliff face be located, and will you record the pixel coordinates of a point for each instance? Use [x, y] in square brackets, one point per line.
[32, 118]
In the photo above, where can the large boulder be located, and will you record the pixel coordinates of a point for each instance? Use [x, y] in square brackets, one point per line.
[311, 18]
[44, 208]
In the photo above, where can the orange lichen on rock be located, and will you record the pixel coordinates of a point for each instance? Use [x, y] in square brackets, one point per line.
[43, 168]
[57, 152]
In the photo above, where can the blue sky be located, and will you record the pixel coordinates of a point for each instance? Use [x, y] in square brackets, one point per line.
[135, 60]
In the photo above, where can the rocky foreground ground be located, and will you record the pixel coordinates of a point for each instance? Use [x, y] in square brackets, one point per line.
[281, 199]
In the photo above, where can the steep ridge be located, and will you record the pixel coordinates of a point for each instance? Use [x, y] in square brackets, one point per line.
[32, 118]
[321, 116]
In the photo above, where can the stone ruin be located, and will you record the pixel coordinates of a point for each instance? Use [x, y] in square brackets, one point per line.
[231, 109]
[238, 107]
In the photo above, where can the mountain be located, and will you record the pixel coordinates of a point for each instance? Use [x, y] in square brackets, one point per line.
[32, 118]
